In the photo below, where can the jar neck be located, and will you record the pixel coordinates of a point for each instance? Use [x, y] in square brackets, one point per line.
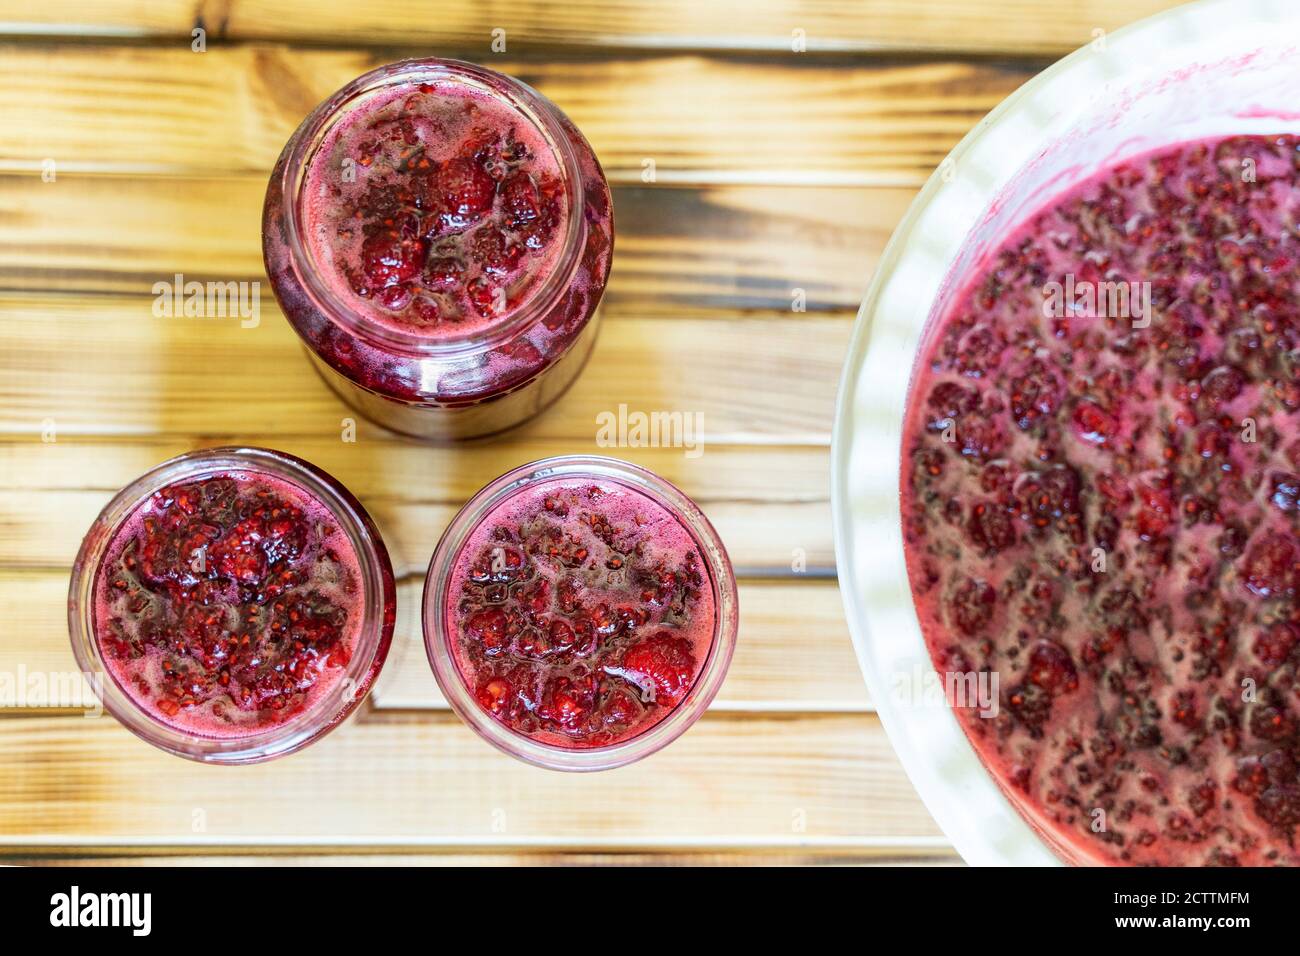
[531, 107]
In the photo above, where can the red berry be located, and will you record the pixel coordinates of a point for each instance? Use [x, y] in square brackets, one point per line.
[1222, 385]
[1201, 798]
[1031, 705]
[520, 199]
[1045, 497]
[466, 191]
[495, 252]
[1093, 425]
[950, 401]
[1271, 566]
[488, 627]
[1035, 394]
[496, 696]
[488, 299]
[568, 702]
[1156, 513]
[1285, 491]
[662, 666]
[444, 273]
[621, 710]
[561, 634]
[990, 527]
[1273, 645]
[388, 259]
[233, 609]
[1051, 668]
[979, 352]
[971, 606]
[980, 439]
[499, 564]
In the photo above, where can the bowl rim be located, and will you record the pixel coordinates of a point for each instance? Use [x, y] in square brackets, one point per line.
[962, 796]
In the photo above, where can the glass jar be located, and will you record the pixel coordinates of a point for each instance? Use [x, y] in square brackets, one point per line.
[137, 582]
[483, 307]
[663, 515]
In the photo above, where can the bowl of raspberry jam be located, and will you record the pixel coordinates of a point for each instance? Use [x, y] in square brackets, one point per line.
[1065, 465]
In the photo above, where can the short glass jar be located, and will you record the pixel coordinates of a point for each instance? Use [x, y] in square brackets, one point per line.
[580, 613]
[232, 605]
[440, 235]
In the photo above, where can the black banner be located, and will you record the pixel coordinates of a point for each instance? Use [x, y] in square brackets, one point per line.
[336, 904]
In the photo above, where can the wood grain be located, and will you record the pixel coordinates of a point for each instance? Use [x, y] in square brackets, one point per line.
[1012, 26]
[389, 468]
[752, 380]
[679, 250]
[766, 502]
[749, 780]
[43, 531]
[700, 119]
[780, 622]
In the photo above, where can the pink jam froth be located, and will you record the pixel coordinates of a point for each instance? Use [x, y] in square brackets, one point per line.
[436, 209]
[1099, 504]
[582, 612]
[228, 604]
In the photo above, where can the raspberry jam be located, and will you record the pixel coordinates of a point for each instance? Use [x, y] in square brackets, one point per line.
[580, 611]
[440, 236]
[1102, 512]
[232, 605]
[453, 219]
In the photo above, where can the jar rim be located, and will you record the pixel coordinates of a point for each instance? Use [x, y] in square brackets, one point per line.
[532, 106]
[438, 637]
[374, 635]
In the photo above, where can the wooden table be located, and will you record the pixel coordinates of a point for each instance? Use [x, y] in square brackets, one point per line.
[126, 157]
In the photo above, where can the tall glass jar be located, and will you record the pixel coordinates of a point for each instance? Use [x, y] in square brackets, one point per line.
[440, 235]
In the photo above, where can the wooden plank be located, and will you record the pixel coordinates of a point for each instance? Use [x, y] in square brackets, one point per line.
[424, 780]
[1012, 26]
[37, 669]
[700, 119]
[780, 622]
[770, 505]
[769, 380]
[739, 247]
[378, 466]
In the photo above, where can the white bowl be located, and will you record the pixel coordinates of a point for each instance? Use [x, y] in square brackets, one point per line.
[1206, 69]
